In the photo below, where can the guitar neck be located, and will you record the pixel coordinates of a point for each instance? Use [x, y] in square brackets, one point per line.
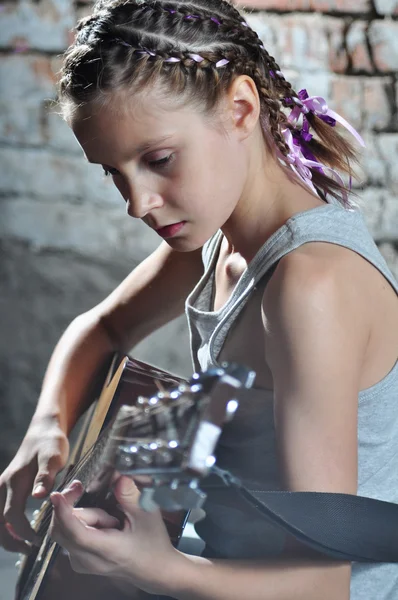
[40, 574]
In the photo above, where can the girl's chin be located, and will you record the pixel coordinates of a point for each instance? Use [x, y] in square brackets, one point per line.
[183, 244]
[188, 240]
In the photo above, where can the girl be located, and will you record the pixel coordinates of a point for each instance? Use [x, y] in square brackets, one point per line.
[209, 145]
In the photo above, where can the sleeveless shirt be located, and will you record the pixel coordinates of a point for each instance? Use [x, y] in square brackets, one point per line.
[231, 528]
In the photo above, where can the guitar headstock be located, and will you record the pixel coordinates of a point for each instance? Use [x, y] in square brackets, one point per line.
[168, 440]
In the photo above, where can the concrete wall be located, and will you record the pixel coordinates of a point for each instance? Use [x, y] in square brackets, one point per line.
[64, 236]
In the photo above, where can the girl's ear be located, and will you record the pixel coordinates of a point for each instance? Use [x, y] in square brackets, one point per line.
[244, 104]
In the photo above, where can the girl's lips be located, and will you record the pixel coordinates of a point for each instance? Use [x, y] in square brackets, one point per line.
[170, 230]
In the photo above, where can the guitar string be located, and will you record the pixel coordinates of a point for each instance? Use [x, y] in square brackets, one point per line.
[69, 478]
[47, 508]
[122, 421]
[45, 521]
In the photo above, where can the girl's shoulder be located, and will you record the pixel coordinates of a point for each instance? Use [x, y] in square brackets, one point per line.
[320, 283]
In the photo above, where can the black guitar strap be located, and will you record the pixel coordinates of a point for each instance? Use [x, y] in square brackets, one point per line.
[342, 526]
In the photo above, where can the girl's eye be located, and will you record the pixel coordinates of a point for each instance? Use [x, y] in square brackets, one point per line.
[163, 162]
[110, 171]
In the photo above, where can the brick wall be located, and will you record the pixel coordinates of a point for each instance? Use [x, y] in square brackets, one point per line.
[64, 237]
[347, 52]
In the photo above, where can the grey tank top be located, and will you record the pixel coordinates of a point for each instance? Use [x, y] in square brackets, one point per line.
[231, 528]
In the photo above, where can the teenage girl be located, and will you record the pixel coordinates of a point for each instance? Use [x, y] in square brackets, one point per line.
[209, 145]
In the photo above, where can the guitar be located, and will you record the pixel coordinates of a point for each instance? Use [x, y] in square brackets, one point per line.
[148, 424]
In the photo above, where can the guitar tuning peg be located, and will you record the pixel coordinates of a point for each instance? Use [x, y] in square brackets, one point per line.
[125, 460]
[163, 457]
[17, 564]
[35, 513]
[231, 409]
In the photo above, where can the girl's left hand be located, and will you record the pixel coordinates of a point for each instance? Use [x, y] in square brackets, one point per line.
[140, 553]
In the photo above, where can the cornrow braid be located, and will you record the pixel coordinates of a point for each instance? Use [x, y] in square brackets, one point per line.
[285, 95]
[194, 50]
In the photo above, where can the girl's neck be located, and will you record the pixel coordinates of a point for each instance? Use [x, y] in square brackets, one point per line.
[269, 201]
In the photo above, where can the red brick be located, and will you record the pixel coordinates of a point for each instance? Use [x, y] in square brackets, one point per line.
[267, 27]
[376, 107]
[386, 7]
[38, 25]
[41, 66]
[334, 30]
[383, 38]
[282, 5]
[372, 168]
[292, 41]
[343, 6]
[347, 98]
[29, 81]
[298, 47]
[357, 47]
[388, 150]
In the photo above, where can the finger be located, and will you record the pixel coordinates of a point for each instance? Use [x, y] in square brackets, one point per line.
[14, 514]
[3, 496]
[73, 492]
[10, 543]
[96, 517]
[66, 527]
[48, 467]
[127, 493]
[142, 481]
[14, 526]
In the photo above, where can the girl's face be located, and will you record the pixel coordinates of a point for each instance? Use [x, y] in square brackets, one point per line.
[176, 172]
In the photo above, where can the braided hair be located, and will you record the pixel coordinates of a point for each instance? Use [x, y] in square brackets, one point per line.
[127, 45]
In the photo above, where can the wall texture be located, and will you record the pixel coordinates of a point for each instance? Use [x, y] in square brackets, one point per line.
[65, 240]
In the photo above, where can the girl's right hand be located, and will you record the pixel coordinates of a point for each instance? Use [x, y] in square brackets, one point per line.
[42, 454]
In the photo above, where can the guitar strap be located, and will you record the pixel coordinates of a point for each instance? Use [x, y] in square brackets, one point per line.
[342, 526]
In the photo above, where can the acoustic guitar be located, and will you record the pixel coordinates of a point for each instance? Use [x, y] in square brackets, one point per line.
[148, 424]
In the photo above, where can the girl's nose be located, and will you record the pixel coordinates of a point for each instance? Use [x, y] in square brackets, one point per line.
[139, 205]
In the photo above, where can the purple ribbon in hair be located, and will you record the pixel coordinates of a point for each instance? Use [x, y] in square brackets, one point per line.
[300, 157]
[318, 106]
[301, 139]
[302, 161]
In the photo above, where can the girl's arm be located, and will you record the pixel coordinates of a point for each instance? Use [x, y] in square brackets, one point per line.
[316, 335]
[152, 295]
[203, 579]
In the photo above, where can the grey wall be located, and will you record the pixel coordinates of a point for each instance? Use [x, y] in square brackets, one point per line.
[64, 237]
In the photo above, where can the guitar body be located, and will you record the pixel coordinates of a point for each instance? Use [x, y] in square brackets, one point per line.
[62, 583]
[46, 573]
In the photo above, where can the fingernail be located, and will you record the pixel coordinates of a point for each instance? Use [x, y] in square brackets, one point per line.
[75, 484]
[55, 498]
[12, 533]
[39, 489]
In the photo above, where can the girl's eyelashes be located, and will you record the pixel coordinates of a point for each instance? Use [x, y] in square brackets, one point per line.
[163, 162]
[109, 171]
